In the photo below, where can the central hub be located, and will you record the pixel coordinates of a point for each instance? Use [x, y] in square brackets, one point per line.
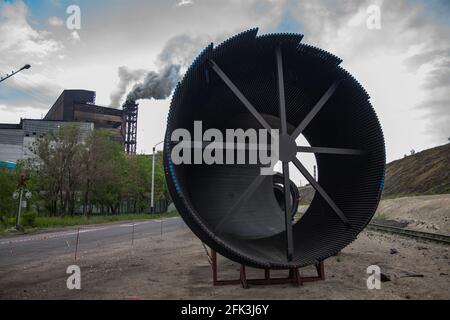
[288, 148]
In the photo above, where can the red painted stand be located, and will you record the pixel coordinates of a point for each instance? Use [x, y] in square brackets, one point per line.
[294, 276]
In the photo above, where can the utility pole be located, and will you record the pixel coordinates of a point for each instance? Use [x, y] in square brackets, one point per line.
[27, 66]
[152, 196]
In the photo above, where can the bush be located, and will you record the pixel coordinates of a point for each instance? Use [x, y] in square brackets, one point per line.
[7, 222]
[28, 220]
[3, 222]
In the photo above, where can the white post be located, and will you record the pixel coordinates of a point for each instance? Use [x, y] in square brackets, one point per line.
[20, 209]
[152, 209]
[152, 196]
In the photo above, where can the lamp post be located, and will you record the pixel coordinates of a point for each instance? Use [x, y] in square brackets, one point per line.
[152, 196]
[27, 66]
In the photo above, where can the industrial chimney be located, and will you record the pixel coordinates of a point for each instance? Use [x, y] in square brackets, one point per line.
[129, 130]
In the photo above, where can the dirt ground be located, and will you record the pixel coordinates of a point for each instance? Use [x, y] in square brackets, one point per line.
[423, 213]
[175, 266]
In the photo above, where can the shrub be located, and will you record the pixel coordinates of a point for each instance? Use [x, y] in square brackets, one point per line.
[28, 220]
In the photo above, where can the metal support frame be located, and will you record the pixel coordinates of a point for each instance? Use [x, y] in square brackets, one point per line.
[129, 131]
[293, 278]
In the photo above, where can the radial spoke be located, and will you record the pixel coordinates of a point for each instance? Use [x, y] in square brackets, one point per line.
[321, 191]
[242, 199]
[316, 109]
[240, 96]
[287, 181]
[343, 151]
[287, 212]
[281, 94]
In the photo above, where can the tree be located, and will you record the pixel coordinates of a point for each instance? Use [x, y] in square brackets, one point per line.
[137, 182]
[7, 187]
[102, 167]
[58, 167]
[92, 174]
[108, 175]
[161, 190]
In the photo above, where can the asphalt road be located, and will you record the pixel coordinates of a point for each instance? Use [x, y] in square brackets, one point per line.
[18, 250]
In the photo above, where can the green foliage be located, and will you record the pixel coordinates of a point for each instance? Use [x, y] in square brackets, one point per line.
[380, 216]
[161, 190]
[28, 220]
[8, 185]
[75, 175]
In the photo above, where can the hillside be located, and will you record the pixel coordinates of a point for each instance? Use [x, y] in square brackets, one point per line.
[424, 173]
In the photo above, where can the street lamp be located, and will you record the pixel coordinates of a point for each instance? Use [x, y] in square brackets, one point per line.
[27, 66]
[152, 196]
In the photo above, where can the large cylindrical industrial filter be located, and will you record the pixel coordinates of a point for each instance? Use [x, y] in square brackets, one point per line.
[276, 82]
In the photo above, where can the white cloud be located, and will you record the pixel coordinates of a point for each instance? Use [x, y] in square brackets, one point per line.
[32, 90]
[55, 22]
[401, 65]
[74, 36]
[184, 3]
[21, 43]
[18, 37]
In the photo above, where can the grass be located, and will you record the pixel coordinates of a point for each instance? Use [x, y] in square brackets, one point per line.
[46, 222]
[380, 216]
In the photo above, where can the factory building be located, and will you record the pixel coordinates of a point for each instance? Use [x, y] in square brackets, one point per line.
[79, 106]
[72, 107]
[16, 140]
[11, 143]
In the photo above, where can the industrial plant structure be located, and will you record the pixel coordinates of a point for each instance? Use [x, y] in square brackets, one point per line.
[129, 132]
[79, 106]
[72, 107]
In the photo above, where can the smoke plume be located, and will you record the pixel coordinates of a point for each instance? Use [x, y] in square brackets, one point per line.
[156, 85]
[173, 59]
[126, 77]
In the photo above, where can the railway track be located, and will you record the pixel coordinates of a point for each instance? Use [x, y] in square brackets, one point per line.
[435, 237]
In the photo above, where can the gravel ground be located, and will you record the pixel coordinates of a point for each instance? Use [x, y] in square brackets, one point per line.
[175, 266]
[423, 213]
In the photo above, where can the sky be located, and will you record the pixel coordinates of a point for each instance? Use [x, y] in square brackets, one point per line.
[404, 65]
